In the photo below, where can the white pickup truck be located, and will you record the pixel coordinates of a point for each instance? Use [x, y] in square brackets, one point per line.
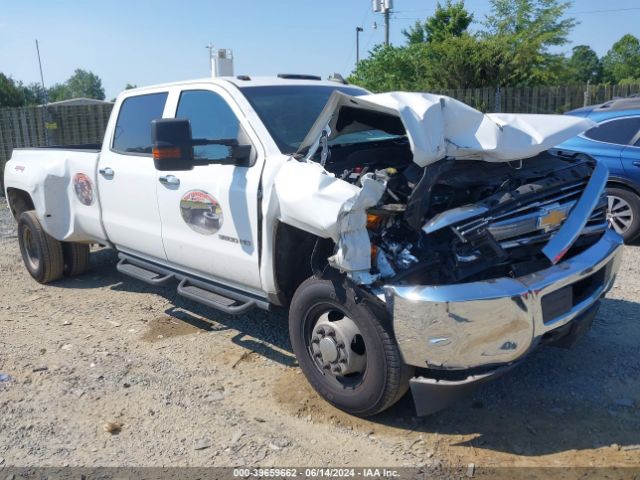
[415, 241]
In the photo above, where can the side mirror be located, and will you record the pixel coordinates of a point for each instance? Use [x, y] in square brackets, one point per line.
[172, 144]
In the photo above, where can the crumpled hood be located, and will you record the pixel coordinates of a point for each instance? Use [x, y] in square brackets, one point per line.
[438, 126]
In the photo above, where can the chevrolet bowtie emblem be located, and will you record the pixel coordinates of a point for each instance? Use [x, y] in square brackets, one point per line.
[551, 219]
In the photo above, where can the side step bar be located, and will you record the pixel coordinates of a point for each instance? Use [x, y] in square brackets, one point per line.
[233, 306]
[216, 296]
[141, 273]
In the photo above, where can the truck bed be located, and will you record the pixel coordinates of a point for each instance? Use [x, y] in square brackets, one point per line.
[62, 182]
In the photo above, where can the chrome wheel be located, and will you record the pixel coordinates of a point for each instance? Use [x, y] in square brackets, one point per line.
[31, 249]
[619, 214]
[337, 347]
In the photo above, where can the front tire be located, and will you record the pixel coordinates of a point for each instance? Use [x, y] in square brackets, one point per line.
[343, 341]
[41, 253]
[623, 212]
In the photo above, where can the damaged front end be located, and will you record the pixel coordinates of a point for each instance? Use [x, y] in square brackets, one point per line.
[480, 242]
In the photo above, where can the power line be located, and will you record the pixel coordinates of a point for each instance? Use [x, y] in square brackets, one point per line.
[582, 12]
[611, 10]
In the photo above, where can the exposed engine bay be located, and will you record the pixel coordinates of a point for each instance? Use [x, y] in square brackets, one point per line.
[463, 220]
[438, 192]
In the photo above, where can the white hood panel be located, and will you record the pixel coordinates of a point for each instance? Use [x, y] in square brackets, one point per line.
[438, 126]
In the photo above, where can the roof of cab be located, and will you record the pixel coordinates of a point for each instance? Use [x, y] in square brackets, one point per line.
[240, 81]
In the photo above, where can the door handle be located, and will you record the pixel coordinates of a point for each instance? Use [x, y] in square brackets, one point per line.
[637, 164]
[169, 180]
[107, 171]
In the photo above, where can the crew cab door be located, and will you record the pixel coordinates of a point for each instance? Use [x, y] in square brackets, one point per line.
[210, 213]
[127, 178]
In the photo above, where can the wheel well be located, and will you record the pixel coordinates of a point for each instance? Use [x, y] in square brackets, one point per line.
[292, 262]
[623, 185]
[19, 201]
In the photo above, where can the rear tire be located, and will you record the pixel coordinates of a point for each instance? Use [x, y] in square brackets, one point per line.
[623, 212]
[76, 258]
[41, 253]
[375, 382]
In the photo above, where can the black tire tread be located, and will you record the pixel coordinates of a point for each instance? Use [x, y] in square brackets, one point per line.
[52, 258]
[76, 258]
[397, 373]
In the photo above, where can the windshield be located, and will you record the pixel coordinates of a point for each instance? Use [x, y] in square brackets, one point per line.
[289, 111]
[373, 135]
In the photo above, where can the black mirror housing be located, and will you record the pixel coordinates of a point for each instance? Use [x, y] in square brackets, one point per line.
[172, 144]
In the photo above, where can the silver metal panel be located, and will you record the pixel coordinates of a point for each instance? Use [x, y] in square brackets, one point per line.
[492, 322]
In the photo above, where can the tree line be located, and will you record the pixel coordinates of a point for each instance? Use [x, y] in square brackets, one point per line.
[515, 44]
[82, 83]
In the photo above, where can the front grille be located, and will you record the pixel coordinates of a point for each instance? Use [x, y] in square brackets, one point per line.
[537, 221]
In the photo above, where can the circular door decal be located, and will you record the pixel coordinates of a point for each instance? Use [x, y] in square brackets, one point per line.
[83, 188]
[201, 212]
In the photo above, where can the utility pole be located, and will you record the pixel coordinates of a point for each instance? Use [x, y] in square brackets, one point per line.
[44, 90]
[358, 30]
[46, 98]
[386, 26]
[212, 64]
[384, 7]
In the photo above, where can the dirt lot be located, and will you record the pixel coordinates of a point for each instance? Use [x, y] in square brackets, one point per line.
[191, 386]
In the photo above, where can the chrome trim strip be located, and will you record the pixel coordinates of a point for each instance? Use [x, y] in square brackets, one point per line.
[577, 220]
[452, 216]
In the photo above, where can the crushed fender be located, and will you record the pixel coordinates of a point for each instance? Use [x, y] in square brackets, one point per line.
[312, 199]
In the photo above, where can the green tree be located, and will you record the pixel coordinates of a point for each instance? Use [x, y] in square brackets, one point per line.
[452, 19]
[390, 68]
[34, 94]
[85, 84]
[11, 93]
[540, 20]
[81, 84]
[129, 86]
[527, 29]
[58, 92]
[622, 62]
[584, 65]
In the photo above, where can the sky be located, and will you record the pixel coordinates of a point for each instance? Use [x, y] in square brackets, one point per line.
[148, 42]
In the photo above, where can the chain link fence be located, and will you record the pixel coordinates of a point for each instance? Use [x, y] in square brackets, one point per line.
[51, 125]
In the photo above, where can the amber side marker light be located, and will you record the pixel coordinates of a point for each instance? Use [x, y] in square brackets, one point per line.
[373, 221]
[166, 153]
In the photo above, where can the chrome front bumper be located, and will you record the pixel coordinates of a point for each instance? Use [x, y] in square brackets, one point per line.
[496, 322]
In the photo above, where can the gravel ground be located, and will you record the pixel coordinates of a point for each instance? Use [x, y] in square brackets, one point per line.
[106, 371]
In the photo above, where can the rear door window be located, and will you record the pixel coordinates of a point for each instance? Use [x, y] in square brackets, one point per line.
[620, 131]
[133, 128]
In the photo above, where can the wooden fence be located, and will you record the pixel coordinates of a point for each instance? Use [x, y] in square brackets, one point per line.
[547, 99]
[41, 126]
